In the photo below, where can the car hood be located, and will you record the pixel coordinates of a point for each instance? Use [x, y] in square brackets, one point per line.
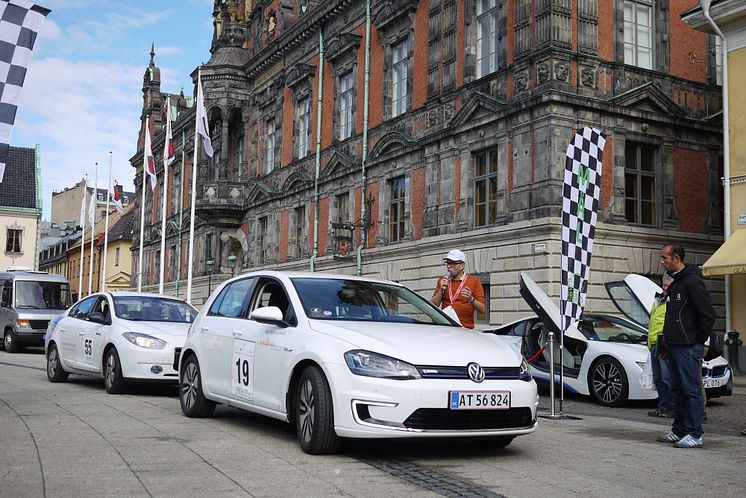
[422, 344]
[162, 330]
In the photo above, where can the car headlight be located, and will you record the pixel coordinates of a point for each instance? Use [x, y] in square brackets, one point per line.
[23, 324]
[371, 364]
[525, 373]
[144, 340]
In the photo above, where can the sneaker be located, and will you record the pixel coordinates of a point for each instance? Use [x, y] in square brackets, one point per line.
[657, 413]
[688, 442]
[670, 414]
[668, 438]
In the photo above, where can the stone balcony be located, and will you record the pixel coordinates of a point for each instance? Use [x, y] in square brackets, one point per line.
[221, 203]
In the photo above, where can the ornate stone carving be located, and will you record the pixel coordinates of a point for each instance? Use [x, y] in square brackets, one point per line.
[588, 77]
[561, 71]
[521, 81]
[542, 72]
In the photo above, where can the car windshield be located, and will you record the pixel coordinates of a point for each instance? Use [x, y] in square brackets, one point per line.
[339, 299]
[153, 309]
[42, 295]
[610, 329]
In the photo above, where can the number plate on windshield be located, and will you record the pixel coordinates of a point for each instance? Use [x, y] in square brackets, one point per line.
[479, 400]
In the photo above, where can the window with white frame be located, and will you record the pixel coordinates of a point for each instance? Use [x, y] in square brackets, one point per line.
[639, 183]
[397, 203]
[269, 152]
[300, 225]
[262, 239]
[718, 60]
[486, 37]
[399, 89]
[343, 207]
[638, 33]
[485, 191]
[304, 122]
[116, 256]
[13, 240]
[346, 92]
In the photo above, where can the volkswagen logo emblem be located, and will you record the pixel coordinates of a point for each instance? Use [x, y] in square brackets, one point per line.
[475, 372]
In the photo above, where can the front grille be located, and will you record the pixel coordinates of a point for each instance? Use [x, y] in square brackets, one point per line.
[447, 372]
[444, 419]
[39, 324]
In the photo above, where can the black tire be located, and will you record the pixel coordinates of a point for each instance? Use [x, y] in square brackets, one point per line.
[314, 413]
[608, 383]
[9, 342]
[191, 398]
[114, 382]
[55, 372]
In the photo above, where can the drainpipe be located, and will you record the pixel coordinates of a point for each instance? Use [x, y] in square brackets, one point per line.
[318, 154]
[363, 228]
[705, 4]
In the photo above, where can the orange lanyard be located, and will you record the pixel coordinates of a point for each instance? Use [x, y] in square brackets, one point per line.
[453, 297]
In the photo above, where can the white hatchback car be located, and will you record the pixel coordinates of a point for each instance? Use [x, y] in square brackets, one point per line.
[123, 336]
[341, 356]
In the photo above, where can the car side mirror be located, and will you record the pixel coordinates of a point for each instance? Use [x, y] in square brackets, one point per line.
[269, 314]
[98, 317]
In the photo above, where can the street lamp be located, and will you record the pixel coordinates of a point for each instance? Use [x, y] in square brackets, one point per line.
[232, 263]
[210, 263]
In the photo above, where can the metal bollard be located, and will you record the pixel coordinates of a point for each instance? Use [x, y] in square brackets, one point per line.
[733, 343]
[550, 345]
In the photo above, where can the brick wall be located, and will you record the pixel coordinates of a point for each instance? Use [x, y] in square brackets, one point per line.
[690, 188]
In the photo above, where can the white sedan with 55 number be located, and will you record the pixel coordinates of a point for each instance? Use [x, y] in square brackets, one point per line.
[123, 336]
[341, 356]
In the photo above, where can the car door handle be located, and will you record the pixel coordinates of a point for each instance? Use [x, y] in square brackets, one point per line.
[98, 333]
[237, 333]
[204, 329]
[81, 334]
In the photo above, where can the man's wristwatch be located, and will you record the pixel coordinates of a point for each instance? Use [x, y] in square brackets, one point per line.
[471, 299]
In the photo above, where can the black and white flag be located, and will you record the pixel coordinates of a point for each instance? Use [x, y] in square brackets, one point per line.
[582, 193]
[19, 24]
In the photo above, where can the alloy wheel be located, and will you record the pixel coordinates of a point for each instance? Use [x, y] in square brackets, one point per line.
[306, 410]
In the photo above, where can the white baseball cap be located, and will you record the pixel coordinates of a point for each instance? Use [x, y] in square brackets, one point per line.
[455, 255]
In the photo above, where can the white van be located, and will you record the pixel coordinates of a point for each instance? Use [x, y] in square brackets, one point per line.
[29, 299]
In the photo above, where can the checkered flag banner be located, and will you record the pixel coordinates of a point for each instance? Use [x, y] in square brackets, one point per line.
[19, 24]
[582, 192]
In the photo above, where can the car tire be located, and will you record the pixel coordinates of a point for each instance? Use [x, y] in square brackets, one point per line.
[113, 380]
[9, 342]
[314, 413]
[607, 382]
[191, 398]
[55, 372]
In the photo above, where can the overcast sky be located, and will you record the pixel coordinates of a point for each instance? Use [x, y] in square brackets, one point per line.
[83, 92]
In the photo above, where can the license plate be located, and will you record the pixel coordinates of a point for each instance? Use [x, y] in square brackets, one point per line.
[711, 382]
[479, 400]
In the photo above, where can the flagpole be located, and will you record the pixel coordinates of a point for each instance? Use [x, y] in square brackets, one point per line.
[181, 210]
[94, 199]
[164, 194]
[82, 238]
[190, 259]
[142, 212]
[106, 232]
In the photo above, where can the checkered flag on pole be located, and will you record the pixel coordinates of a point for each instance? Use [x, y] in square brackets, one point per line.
[582, 192]
[19, 24]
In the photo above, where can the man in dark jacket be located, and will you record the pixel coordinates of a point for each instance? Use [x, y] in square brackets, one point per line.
[689, 319]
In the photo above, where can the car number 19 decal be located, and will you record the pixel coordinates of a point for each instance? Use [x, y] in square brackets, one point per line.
[242, 378]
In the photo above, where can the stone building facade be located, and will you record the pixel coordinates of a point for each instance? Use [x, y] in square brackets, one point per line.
[455, 138]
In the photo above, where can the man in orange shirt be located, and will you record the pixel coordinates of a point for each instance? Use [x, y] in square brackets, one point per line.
[460, 292]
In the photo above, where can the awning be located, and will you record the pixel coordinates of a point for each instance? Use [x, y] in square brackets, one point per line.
[730, 258]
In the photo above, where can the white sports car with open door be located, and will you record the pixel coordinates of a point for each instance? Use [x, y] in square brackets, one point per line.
[604, 354]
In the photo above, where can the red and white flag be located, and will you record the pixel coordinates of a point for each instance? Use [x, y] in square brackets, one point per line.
[168, 146]
[148, 159]
[118, 198]
[202, 126]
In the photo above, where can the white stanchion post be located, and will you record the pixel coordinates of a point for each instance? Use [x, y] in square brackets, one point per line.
[550, 345]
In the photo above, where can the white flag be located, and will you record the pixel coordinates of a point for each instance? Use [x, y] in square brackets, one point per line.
[118, 198]
[168, 147]
[148, 160]
[201, 124]
[82, 203]
[92, 207]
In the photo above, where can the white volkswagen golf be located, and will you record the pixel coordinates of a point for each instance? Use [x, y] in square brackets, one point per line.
[123, 336]
[341, 356]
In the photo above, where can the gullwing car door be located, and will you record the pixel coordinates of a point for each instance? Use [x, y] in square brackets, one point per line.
[634, 297]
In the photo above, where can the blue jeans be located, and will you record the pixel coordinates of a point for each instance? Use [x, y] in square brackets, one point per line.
[686, 377]
[662, 380]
